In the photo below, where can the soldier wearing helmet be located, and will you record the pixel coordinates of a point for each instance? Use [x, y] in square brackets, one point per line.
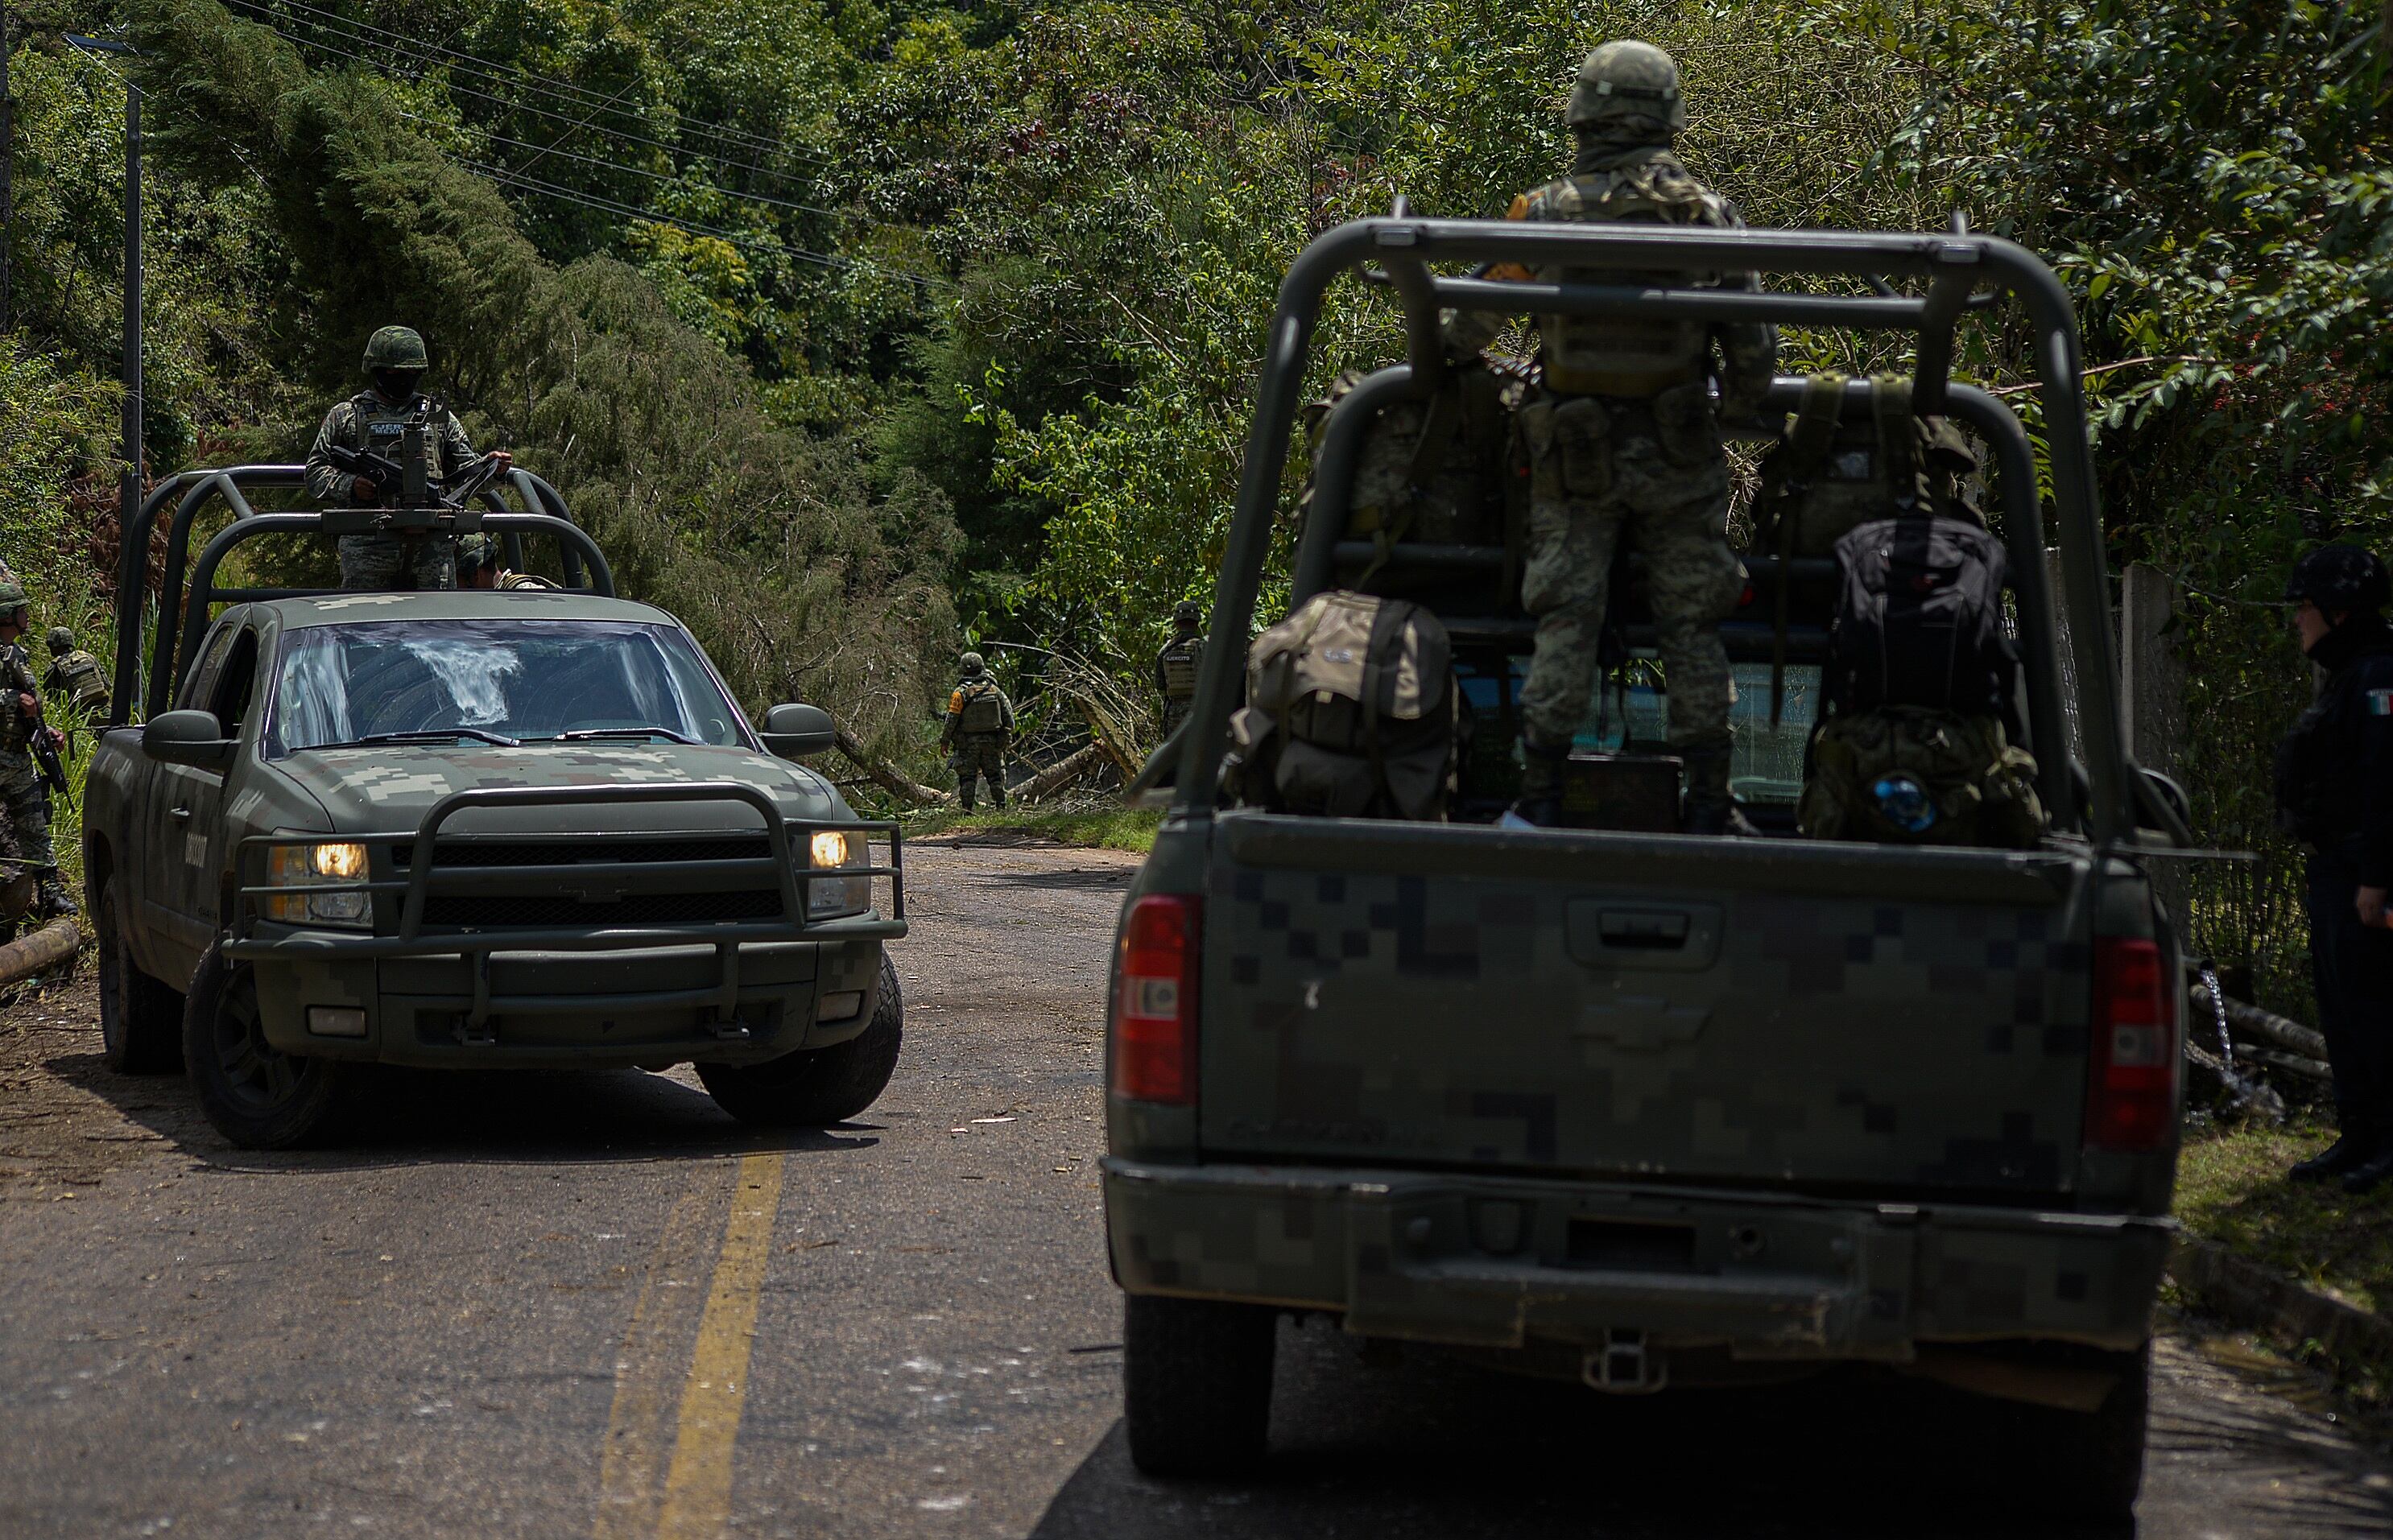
[1175, 666]
[979, 721]
[22, 795]
[76, 674]
[1624, 442]
[376, 419]
[2335, 793]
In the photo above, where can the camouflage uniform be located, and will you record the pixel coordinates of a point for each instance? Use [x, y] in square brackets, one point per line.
[979, 719]
[1973, 787]
[371, 420]
[21, 792]
[1625, 441]
[1176, 665]
[76, 674]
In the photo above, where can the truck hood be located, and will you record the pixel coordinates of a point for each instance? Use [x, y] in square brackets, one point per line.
[387, 789]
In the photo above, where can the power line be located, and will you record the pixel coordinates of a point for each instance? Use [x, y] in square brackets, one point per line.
[640, 171]
[497, 73]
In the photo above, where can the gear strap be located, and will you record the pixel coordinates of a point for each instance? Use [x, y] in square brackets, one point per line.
[1813, 435]
[1896, 447]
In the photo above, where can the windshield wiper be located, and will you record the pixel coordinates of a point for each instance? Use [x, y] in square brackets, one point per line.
[579, 733]
[428, 735]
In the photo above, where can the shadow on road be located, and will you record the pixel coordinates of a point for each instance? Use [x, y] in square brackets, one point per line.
[1432, 1448]
[415, 1117]
[1083, 879]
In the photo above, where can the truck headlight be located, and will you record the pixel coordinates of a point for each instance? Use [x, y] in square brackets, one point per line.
[833, 898]
[310, 866]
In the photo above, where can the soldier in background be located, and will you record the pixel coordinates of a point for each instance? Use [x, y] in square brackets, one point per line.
[376, 419]
[979, 721]
[76, 675]
[1175, 666]
[2335, 793]
[24, 797]
[1624, 442]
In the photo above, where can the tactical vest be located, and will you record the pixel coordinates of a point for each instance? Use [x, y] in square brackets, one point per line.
[16, 677]
[86, 687]
[984, 706]
[378, 427]
[1621, 355]
[1180, 661]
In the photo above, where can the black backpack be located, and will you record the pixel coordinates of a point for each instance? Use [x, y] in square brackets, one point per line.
[1919, 620]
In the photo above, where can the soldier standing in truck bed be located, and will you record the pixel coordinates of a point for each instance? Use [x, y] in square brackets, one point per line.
[1624, 442]
[376, 419]
[1175, 666]
[979, 721]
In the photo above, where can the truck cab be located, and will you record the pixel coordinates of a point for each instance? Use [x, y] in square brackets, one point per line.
[1640, 1109]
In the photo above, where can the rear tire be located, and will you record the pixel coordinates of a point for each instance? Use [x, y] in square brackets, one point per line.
[813, 1087]
[256, 1096]
[1197, 1380]
[140, 1019]
[2086, 1464]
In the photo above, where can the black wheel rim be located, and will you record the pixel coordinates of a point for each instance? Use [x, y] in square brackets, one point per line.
[255, 1074]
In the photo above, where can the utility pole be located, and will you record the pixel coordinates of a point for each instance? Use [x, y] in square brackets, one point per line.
[8, 163]
[129, 489]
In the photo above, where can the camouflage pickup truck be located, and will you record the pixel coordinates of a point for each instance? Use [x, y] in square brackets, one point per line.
[470, 829]
[1642, 1110]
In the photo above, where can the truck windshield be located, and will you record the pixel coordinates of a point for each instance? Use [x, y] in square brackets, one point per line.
[489, 680]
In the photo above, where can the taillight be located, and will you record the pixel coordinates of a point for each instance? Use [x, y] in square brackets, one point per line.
[1154, 1024]
[2131, 1087]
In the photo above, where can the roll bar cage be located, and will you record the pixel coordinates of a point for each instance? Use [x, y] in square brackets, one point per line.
[183, 620]
[1962, 272]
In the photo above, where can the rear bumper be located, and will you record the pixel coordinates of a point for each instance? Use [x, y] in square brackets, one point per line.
[1501, 1263]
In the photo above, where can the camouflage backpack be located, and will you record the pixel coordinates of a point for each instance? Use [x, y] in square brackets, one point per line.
[1352, 713]
[1916, 775]
[984, 709]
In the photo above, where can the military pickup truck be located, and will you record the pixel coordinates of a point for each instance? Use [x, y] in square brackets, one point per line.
[472, 828]
[1643, 1110]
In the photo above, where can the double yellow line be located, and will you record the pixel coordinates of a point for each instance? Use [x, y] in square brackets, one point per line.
[694, 1498]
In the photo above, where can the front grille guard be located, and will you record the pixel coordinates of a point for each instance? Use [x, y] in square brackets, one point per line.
[424, 878]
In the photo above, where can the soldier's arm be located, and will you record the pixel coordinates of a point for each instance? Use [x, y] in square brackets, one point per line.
[1468, 331]
[1748, 349]
[955, 716]
[324, 483]
[1005, 710]
[456, 450]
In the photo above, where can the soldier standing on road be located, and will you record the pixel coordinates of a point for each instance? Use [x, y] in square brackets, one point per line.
[22, 795]
[979, 719]
[1175, 666]
[376, 419]
[1625, 441]
[2334, 790]
[76, 674]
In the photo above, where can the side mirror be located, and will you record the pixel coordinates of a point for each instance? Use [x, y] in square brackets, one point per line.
[195, 738]
[793, 730]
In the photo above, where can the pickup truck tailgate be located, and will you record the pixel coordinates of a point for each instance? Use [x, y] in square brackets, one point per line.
[1720, 1011]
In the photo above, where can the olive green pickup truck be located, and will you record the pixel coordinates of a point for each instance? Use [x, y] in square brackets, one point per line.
[1644, 1110]
[453, 829]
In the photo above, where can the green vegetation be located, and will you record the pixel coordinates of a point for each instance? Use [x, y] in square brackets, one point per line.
[2232, 1188]
[863, 329]
[1101, 828]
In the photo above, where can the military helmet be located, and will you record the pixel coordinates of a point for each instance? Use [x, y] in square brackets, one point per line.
[2340, 578]
[395, 347]
[975, 665]
[1626, 79]
[61, 640]
[12, 598]
[1187, 612]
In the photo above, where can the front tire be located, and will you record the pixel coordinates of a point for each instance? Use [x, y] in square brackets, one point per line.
[1197, 1378]
[814, 1087]
[257, 1096]
[140, 1019]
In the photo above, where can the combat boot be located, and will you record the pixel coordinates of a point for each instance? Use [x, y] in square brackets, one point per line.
[2370, 1175]
[997, 795]
[2347, 1153]
[1711, 808]
[964, 795]
[53, 902]
[1540, 802]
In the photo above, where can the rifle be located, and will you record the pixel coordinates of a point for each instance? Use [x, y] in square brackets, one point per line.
[46, 753]
[381, 470]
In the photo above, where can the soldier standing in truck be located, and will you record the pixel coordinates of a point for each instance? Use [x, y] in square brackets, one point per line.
[1624, 442]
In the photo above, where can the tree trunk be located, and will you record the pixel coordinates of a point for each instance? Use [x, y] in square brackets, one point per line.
[1062, 773]
[886, 776]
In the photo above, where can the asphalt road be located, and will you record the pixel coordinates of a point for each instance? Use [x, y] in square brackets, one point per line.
[592, 1305]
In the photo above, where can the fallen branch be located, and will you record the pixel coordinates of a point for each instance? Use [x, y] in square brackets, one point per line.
[45, 949]
[1108, 737]
[1062, 773]
[2267, 1027]
[884, 775]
